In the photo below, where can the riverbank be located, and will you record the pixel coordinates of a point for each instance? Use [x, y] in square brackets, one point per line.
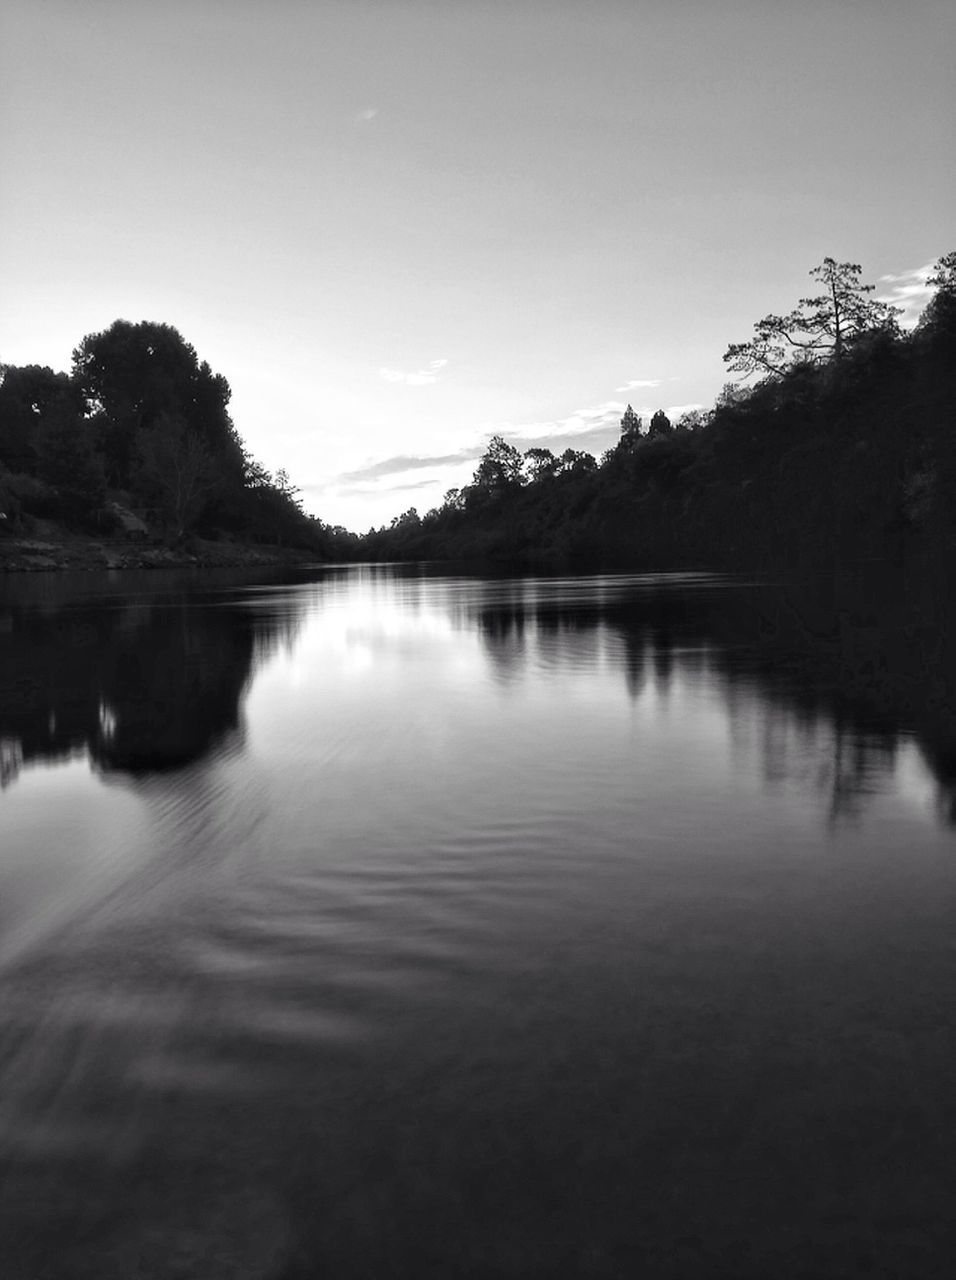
[50, 547]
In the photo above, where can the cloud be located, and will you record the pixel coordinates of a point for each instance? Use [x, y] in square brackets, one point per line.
[402, 463]
[365, 115]
[636, 383]
[411, 484]
[598, 420]
[420, 378]
[592, 428]
[909, 291]
[674, 411]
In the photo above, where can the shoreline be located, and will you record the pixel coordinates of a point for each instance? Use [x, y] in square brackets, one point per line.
[48, 554]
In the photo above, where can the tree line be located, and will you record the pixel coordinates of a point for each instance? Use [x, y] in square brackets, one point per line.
[835, 438]
[140, 423]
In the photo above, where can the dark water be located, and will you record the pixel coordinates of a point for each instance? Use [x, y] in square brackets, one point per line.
[393, 924]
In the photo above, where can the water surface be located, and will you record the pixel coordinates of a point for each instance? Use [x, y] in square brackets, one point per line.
[388, 922]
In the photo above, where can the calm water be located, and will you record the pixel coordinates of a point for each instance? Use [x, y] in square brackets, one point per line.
[385, 923]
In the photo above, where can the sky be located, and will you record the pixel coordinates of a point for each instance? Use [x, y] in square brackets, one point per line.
[399, 227]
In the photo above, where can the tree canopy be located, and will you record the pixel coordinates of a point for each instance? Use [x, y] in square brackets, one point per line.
[820, 327]
[843, 446]
[140, 418]
[130, 374]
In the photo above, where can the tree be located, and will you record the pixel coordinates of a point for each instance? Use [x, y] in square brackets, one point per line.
[939, 317]
[692, 420]
[67, 459]
[130, 374]
[499, 469]
[631, 426]
[31, 396]
[539, 464]
[286, 489]
[577, 462]
[174, 470]
[661, 425]
[819, 328]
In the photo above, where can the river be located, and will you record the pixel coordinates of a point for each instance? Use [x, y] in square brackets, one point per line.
[382, 921]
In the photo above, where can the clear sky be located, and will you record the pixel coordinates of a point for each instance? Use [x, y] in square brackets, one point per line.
[400, 226]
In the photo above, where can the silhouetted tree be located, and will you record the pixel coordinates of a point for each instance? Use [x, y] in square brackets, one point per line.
[31, 395]
[286, 489]
[539, 463]
[818, 328]
[577, 462]
[692, 420]
[499, 469]
[631, 425]
[939, 317]
[660, 424]
[130, 374]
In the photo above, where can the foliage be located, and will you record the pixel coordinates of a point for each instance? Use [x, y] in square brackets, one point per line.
[842, 447]
[661, 425]
[939, 318]
[173, 472]
[539, 464]
[631, 427]
[819, 328]
[845, 453]
[141, 414]
[29, 396]
[498, 472]
[129, 375]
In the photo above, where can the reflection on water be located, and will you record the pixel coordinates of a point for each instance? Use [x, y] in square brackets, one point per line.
[387, 922]
[138, 684]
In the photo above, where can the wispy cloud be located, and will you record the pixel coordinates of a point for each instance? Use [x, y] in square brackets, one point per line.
[593, 428]
[411, 485]
[419, 378]
[402, 463]
[593, 418]
[365, 115]
[909, 291]
[636, 384]
[674, 411]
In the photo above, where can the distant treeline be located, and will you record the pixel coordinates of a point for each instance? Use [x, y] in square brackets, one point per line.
[843, 447]
[138, 436]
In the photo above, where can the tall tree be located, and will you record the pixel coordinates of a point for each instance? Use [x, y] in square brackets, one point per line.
[631, 426]
[661, 425]
[129, 375]
[820, 327]
[499, 469]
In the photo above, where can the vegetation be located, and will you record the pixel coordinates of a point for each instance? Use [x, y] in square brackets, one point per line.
[841, 446]
[140, 425]
[836, 442]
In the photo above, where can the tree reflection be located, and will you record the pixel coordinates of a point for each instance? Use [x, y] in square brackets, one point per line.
[839, 670]
[502, 631]
[152, 684]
